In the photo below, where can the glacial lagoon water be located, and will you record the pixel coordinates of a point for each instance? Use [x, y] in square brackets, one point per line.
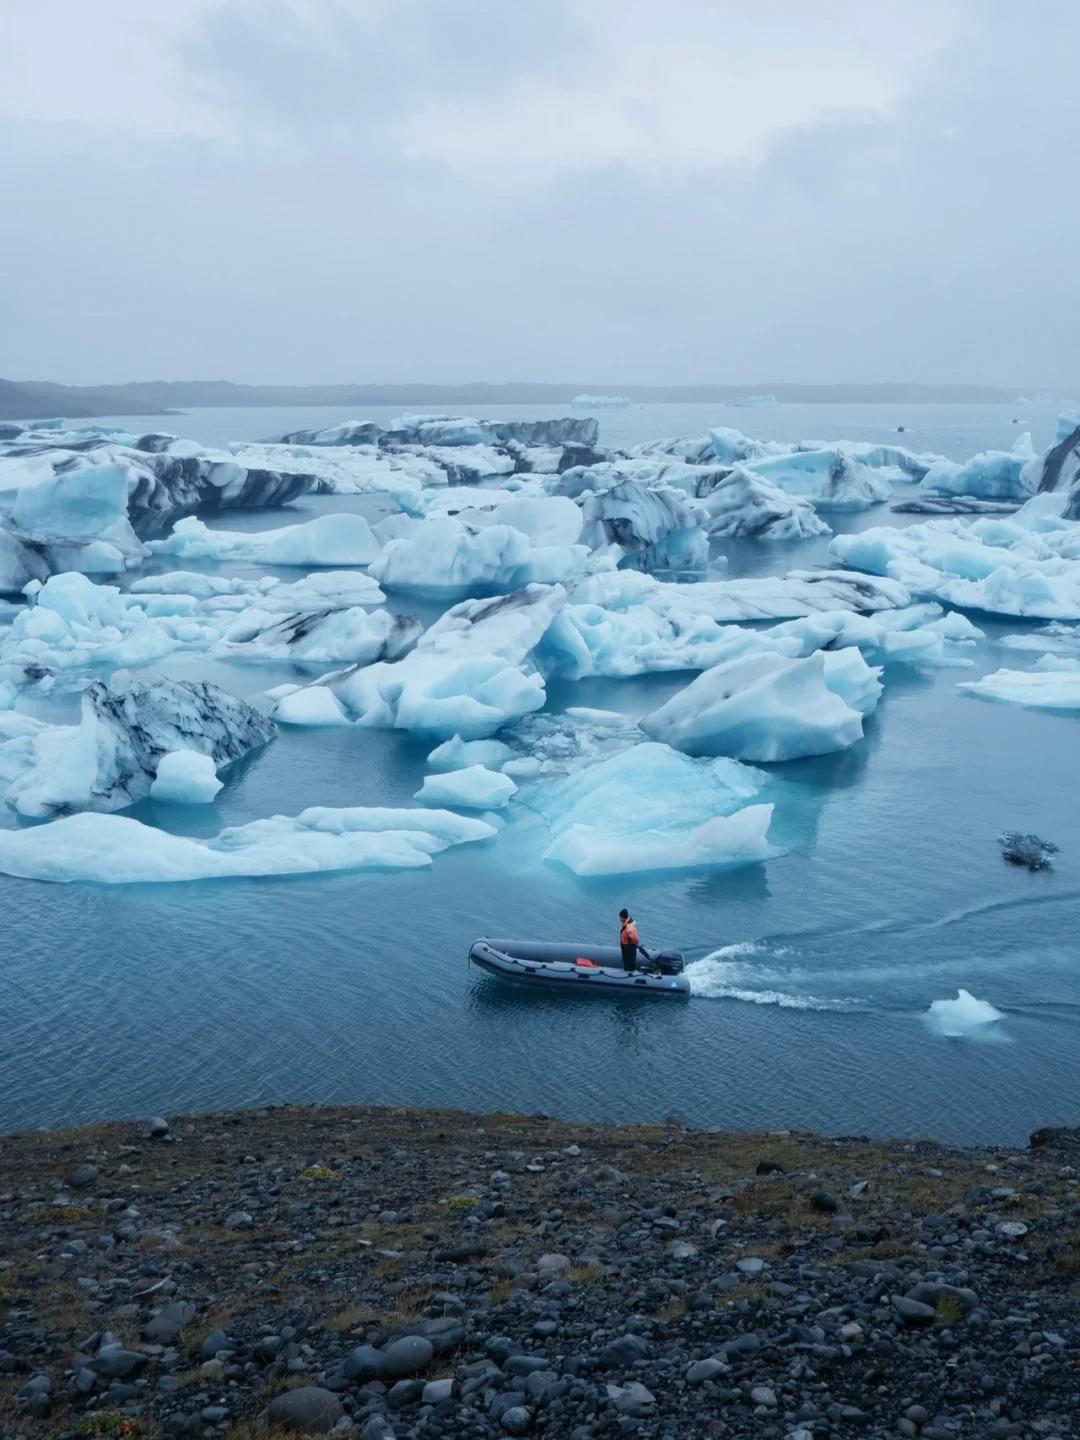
[813, 973]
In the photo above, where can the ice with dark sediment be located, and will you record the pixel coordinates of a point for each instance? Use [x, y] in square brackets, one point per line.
[110, 758]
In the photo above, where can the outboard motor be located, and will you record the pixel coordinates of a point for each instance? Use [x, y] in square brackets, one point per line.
[668, 962]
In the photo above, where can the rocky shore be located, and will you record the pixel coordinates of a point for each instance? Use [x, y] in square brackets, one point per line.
[399, 1273]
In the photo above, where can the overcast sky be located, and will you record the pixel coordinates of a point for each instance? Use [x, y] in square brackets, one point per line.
[598, 190]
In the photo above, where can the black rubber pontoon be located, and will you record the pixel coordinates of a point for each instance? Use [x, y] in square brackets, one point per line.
[536, 962]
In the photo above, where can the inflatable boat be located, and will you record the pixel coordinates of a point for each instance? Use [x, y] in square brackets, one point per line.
[592, 969]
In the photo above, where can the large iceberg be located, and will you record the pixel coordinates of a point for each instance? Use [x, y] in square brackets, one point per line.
[770, 707]
[468, 675]
[115, 850]
[110, 759]
[650, 808]
[329, 540]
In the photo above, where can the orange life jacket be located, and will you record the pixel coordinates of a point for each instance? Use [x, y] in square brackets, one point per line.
[628, 934]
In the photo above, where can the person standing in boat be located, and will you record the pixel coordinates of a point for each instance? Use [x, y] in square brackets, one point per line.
[628, 940]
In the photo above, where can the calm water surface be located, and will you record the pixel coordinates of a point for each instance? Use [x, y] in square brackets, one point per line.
[890, 893]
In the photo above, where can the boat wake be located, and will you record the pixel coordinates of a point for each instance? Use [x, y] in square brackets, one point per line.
[731, 973]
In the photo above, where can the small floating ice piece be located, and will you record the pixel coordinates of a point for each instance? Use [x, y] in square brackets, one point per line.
[474, 788]
[964, 1018]
[185, 777]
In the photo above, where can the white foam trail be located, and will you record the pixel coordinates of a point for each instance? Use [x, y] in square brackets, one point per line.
[964, 1018]
[724, 975]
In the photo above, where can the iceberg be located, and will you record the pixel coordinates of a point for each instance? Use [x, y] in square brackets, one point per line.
[81, 518]
[446, 558]
[326, 637]
[329, 540]
[458, 754]
[626, 521]
[800, 592]
[743, 503]
[1056, 688]
[116, 850]
[20, 563]
[829, 479]
[964, 1018]
[601, 402]
[466, 677]
[650, 808]
[166, 477]
[184, 591]
[185, 777]
[1058, 471]
[110, 759]
[1028, 565]
[771, 707]
[993, 475]
[473, 788]
[586, 640]
[402, 476]
[1052, 640]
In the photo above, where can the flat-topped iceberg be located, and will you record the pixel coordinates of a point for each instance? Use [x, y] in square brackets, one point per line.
[800, 592]
[650, 808]
[110, 759]
[329, 540]
[1055, 687]
[473, 788]
[115, 850]
[601, 402]
[771, 707]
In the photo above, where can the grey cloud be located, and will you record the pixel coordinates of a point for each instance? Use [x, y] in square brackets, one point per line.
[934, 241]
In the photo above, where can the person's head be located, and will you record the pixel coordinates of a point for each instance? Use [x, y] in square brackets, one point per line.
[624, 914]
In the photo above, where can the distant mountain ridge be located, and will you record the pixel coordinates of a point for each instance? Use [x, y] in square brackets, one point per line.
[37, 399]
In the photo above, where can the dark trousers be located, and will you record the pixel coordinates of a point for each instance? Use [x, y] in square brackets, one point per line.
[629, 956]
